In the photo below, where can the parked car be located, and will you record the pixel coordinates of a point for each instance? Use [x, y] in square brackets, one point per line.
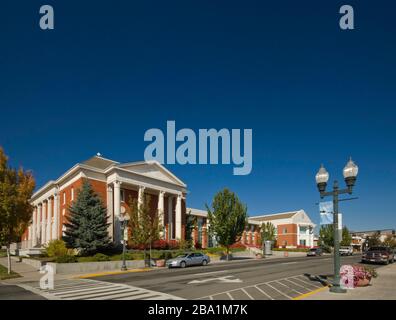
[315, 252]
[384, 255]
[188, 259]
[346, 251]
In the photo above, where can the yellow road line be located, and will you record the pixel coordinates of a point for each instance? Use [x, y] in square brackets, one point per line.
[310, 293]
[110, 273]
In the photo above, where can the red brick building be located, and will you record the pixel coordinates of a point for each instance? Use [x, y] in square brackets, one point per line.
[116, 183]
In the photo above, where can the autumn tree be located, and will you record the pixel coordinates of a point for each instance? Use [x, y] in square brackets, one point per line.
[16, 189]
[227, 217]
[390, 241]
[373, 240]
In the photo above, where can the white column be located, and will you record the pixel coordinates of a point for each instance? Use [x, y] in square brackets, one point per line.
[311, 236]
[55, 227]
[49, 219]
[110, 211]
[141, 196]
[161, 213]
[39, 217]
[178, 217]
[170, 216]
[207, 232]
[298, 234]
[34, 228]
[117, 211]
[44, 223]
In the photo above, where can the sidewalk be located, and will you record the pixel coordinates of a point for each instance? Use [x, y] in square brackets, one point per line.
[381, 288]
[27, 272]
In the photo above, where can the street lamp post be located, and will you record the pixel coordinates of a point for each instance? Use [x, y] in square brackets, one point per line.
[124, 219]
[350, 173]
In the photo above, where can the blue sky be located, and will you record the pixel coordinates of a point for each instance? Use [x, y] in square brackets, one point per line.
[110, 71]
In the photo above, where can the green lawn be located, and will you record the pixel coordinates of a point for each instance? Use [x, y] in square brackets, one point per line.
[4, 275]
[3, 253]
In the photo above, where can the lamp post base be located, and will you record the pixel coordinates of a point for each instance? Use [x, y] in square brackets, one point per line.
[337, 289]
[124, 268]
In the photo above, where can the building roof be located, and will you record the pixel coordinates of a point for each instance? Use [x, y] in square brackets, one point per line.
[276, 216]
[383, 231]
[105, 166]
[99, 162]
[197, 212]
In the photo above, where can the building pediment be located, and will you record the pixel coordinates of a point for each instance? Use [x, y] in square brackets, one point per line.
[152, 169]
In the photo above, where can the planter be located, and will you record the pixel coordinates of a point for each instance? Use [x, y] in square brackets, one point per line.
[363, 283]
[160, 263]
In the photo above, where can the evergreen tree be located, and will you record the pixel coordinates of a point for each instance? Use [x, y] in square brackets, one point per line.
[87, 227]
[227, 219]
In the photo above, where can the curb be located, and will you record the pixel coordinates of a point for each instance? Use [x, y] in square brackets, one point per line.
[110, 273]
[305, 295]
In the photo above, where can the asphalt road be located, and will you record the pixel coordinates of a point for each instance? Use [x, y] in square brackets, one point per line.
[280, 279]
[13, 292]
[272, 279]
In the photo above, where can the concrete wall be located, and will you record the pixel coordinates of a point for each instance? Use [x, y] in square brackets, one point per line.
[84, 267]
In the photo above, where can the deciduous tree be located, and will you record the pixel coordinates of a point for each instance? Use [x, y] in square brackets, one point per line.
[268, 232]
[227, 217]
[144, 225]
[16, 189]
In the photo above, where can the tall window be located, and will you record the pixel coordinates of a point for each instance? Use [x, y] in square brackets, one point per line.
[64, 197]
[284, 230]
[122, 195]
[72, 194]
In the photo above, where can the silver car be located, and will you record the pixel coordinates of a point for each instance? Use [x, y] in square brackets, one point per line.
[188, 259]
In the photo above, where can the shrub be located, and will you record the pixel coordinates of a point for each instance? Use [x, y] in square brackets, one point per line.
[56, 248]
[101, 257]
[238, 247]
[173, 244]
[160, 244]
[67, 258]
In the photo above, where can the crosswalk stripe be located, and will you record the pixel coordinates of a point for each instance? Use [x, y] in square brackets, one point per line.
[87, 289]
[97, 295]
[91, 292]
